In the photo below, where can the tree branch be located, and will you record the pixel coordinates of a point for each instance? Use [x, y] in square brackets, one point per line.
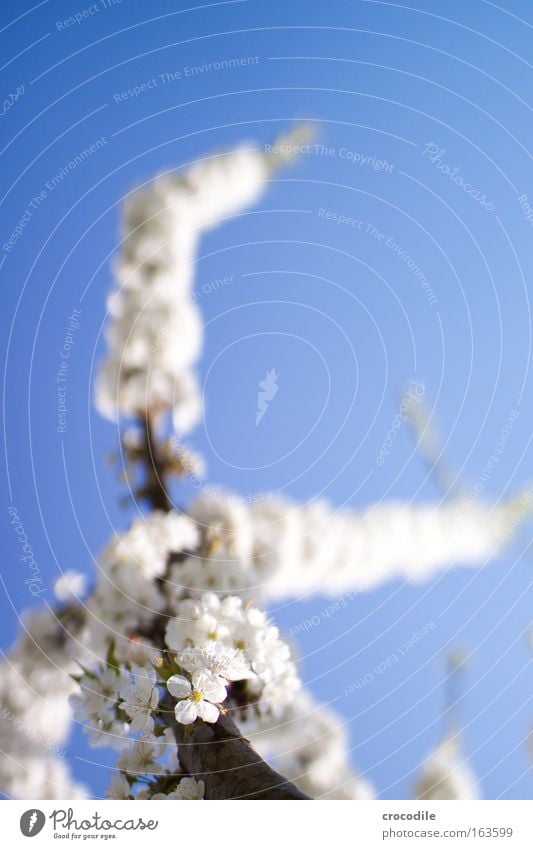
[228, 765]
[154, 489]
[215, 753]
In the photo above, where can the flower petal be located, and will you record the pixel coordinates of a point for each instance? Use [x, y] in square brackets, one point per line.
[211, 686]
[207, 711]
[186, 711]
[139, 721]
[237, 671]
[179, 687]
[190, 660]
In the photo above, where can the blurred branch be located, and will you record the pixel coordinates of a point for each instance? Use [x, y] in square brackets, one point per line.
[429, 444]
[154, 489]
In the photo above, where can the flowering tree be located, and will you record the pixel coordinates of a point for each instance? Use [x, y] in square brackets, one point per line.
[171, 648]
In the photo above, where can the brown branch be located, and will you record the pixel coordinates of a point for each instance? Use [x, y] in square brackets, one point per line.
[154, 489]
[228, 765]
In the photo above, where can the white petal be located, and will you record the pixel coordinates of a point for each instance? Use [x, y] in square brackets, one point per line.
[179, 687]
[186, 711]
[190, 660]
[237, 671]
[139, 721]
[211, 686]
[207, 711]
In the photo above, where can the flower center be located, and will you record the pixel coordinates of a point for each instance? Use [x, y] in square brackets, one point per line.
[196, 696]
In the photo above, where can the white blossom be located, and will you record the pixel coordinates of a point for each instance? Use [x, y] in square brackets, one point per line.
[146, 546]
[290, 551]
[119, 787]
[261, 651]
[222, 517]
[198, 697]
[190, 788]
[196, 622]
[100, 692]
[315, 549]
[445, 775]
[95, 705]
[141, 697]
[141, 757]
[187, 789]
[71, 585]
[43, 777]
[220, 661]
[154, 332]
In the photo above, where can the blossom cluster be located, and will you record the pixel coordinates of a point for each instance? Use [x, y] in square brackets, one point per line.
[446, 775]
[288, 550]
[223, 640]
[276, 550]
[164, 567]
[35, 686]
[130, 586]
[154, 329]
[211, 644]
[164, 640]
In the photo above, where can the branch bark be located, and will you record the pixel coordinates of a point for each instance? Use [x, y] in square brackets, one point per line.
[154, 490]
[225, 761]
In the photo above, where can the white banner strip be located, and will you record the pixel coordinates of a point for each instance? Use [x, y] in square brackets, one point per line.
[312, 824]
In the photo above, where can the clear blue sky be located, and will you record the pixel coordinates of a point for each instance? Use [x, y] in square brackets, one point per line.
[333, 307]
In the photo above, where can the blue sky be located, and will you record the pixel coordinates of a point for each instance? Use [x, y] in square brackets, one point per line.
[422, 129]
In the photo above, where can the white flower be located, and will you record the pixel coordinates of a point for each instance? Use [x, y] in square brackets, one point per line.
[143, 551]
[224, 663]
[189, 788]
[70, 586]
[95, 705]
[226, 640]
[196, 623]
[225, 184]
[197, 698]
[99, 693]
[317, 549]
[154, 332]
[141, 697]
[220, 514]
[198, 574]
[141, 758]
[445, 775]
[187, 403]
[107, 731]
[134, 651]
[158, 797]
[118, 787]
